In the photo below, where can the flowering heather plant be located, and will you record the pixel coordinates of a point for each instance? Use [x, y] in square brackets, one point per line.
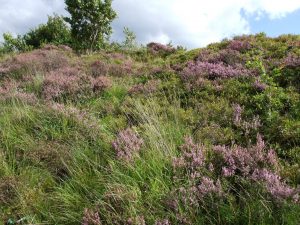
[148, 88]
[208, 55]
[91, 217]
[81, 117]
[292, 61]
[64, 81]
[192, 158]
[193, 162]
[101, 83]
[237, 114]
[127, 145]
[257, 164]
[120, 70]
[99, 68]
[232, 57]
[195, 195]
[162, 222]
[259, 86]
[196, 70]
[226, 56]
[239, 45]
[160, 49]
[244, 161]
[247, 126]
[117, 56]
[10, 90]
[208, 186]
[275, 186]
[139, 220]
[43, 60]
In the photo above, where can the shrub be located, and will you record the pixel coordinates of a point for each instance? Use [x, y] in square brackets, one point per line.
[55, 32]
[160, 49]
[37, 61]
[99, 68]
[195, 72]
[91, 218]
[127, 145]
[66, 81]
[147, 88]
[239, 45]
[100, 83]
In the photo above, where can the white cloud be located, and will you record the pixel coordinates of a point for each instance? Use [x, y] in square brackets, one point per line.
[18, 16]
[190, 23]
[195, 22]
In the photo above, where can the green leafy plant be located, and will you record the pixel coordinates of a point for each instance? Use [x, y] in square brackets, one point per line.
[90, 22]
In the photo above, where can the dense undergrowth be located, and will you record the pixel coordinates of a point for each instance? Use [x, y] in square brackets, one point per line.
[155, 136]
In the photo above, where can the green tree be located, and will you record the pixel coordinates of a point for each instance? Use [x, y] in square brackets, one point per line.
[55, 31]
[90, 22]
[12, 44]
[130, 42]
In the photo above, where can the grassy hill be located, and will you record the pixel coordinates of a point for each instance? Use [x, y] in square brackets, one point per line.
[154, 136]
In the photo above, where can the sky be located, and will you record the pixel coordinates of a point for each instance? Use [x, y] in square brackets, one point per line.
[190, 23]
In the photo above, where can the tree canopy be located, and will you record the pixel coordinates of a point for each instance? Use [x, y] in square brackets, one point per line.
[90, 22]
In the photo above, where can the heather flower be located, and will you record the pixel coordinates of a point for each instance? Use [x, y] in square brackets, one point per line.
[231, 57]
[91, 217]
[29, 98]
[254, 163]
[192, 158]
[194, 195]
[139, 220]
[237, 114]
[226, 56]
[253, 124]
[156, 70]
[117, 55]
[274, 184]
[246, 126]
[148, 88]
[292, 60]
[64, 81]
[65, 48]
[10, 90]
[99, 68]
[4, 70]
[162, 222]
[72, 112]
[243, 161]
[239, 45]
[208, 186]
[207, 55]
[29, 63]
[258, 85]
[101, 83]
[127, 144]
[120, 70]
[196, 70]
[158, 49]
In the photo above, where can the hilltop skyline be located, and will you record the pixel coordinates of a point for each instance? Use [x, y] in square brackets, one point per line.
[193, 24]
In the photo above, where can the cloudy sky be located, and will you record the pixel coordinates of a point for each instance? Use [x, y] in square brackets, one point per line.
[191, 23]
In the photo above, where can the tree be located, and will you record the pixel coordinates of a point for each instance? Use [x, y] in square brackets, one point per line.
[130, 42]
[90, 22]
[12, 44]
[55, 31]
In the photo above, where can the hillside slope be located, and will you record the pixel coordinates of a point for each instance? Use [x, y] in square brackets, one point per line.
[156, 136]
